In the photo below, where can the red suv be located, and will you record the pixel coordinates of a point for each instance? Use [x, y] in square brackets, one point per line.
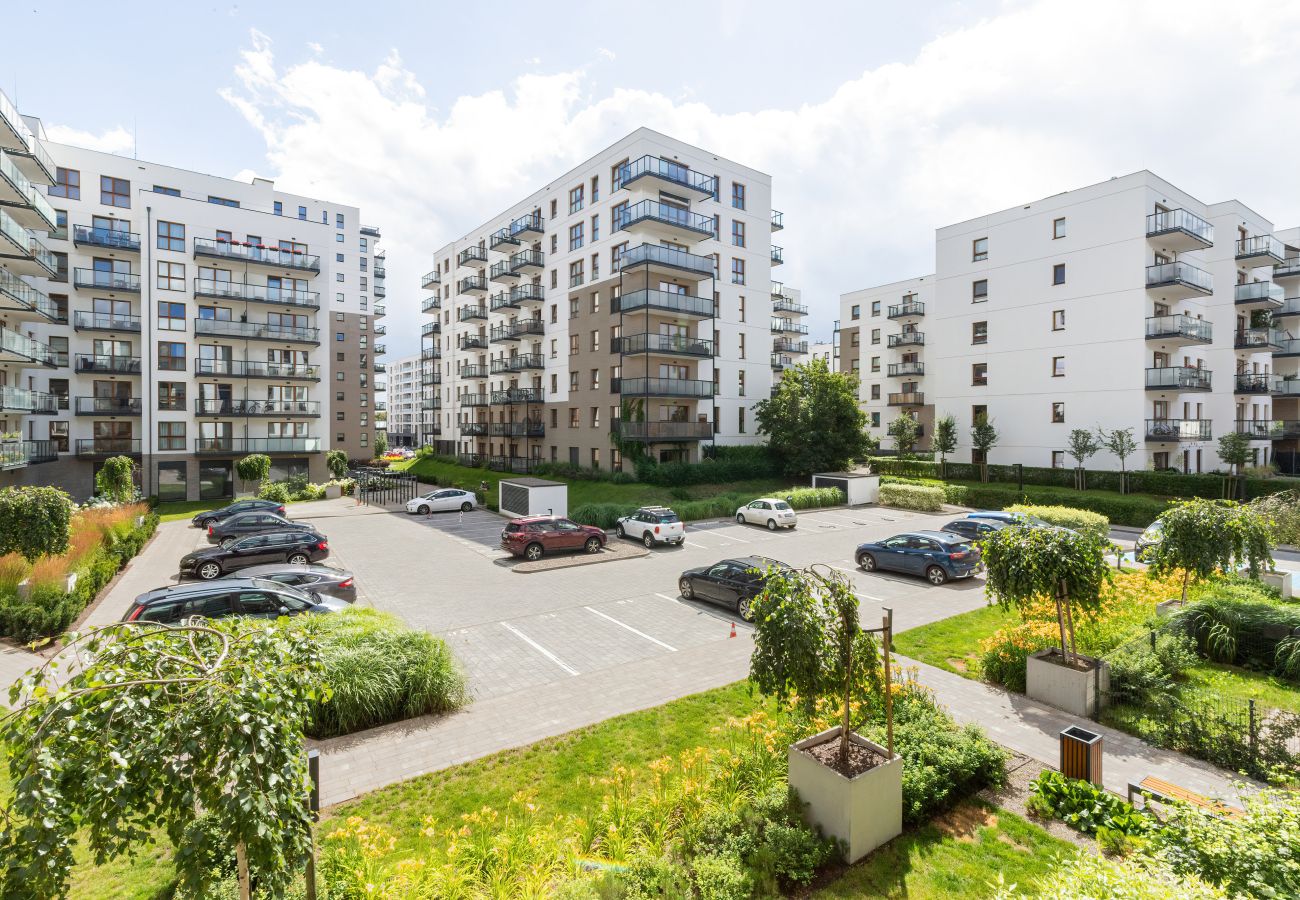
[534, 536]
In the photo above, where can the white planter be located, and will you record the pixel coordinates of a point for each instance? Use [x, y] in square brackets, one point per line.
[1076, 691]
[1282, 582]
[333, 491]
[139, 521]
[864, 811]
[25, 587]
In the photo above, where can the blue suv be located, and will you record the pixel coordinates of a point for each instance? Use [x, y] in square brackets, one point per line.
[937, 555]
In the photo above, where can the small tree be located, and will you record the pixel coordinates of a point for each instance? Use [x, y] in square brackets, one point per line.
[1119, 442]
[256, 467]
[944, 441]
[1234, 449]
[35, 521]
[1200, 537]
[337, 462]
[808, 643]
[1025, 564]
[1082, 446]
[813, 422]
[983, 437]
[115, 479]
[904, 430]
[381, 443]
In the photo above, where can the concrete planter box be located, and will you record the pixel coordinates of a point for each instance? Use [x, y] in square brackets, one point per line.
[1282, 582]
[333, 491]
[1080, 692]
[864, 811]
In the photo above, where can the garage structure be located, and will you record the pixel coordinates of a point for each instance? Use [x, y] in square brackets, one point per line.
[858, 488]
[518, 497]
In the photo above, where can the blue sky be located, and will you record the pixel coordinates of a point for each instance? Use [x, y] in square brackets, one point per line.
[878, 122]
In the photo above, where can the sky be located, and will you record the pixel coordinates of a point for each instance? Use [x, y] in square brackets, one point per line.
[878, 122]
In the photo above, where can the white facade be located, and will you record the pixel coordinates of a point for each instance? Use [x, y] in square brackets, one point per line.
[404, 401]
[1125, 304]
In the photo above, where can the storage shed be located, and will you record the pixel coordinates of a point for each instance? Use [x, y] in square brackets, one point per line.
[858, 489]
[532, 497]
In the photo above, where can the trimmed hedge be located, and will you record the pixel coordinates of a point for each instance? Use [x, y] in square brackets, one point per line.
[723, 506]
[1081, 520]
[912, 496]
[1135, 511]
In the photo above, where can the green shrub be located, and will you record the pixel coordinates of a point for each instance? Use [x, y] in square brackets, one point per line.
[34, 521]
[1249, 633]
[813, 498]
[910, 468]
[601, 515]
[721, 877]
[276, 492]
[1068, 517]
[1138, 512]
[1282, 512]
[1136, 877]
[911, 496]
[1084, 806]
[1141, 670]
[337, 463]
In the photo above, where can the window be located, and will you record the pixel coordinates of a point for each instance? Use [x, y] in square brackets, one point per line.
[979, 374]
[573, 345]
[979, 290]
[875, 309]
[171, 316]
[171, 356]
[595, 417]
[575, 273]
[979, 332]
[67, 183]
[59, 435]
[171, 236]
[338, 276]
[595, 340]
[1058, 273]
[171, 396]
[855, 312]
[338, 239]
[168, 191]
[737, 233]
[595, 189]
[575, 235]
[1058, 229]
[1058, 413]
[595, 379]
[573, 307]
[279, 208]
[60, 232]
[575, 199]
[737, 195]
[979, 249]
[740, 420]
[737, 271]
[875, 363]
[853, 338]
[875, 335]
[573, 381]
[302, 212]
[223, 201]
[171, 276]
[573, 417]
[338, 220]
[1058, 366]
[114, 191]
[1058, 320]
[171, 435]
[875, 420]
[1058, 459]
[875, 392]
[595, 220]
[742, 345]
[59, 386]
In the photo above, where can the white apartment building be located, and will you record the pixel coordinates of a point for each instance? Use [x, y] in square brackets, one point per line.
[191, 320]
[1125, 304]
[631, 296]
[404, 393]
[826, 352]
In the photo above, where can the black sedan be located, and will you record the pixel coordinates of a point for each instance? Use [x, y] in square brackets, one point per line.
[975, 529]
[733, 583]
[227, 531]
[295, 547]
[208, 516]
[178, 603]
[314, 580]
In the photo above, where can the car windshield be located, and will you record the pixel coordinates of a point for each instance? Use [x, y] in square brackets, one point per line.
[781, 504]
[668, 517]
[958, 548]
[1154, 530]
[282, 588]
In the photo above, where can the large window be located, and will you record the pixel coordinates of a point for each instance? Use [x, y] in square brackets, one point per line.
[575, 236]
[171, 481]
[114, 191]
[171, 276]
[737, 195]
[575, 199]
[171, 435]
[737, 233]
[171, 316]
[171, 396]
[171, 236]
[171, 356]
[737, 271]
[67, 183]
[979, 249]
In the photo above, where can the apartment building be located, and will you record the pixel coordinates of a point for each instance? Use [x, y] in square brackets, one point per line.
[631, 297]
[194, 320]
[404, 394]
[1125, 304]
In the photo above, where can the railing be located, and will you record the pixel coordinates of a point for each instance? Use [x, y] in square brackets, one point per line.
[666, 301]
[428, 305]
[257, 445]
[781, 362]
[23, 185]
[518, 395]
[896, 370]
[471, 255]
[427, 330]
[525, 259]
[1261, 429]
[474, 399]
[1254, 383]
[108, 447]
[257, 330]
[785, 325]
[520, 465]
[653, 254]
[434, 352]
[1259, 292]
[471, 283]
[662, 387]
[108, 406]
[530, 429]
[112, 365]
[28, 348]
[380, 271]
[110, 238]
[380, 310]
[430, 279]
[1178, 429]
[16, 399]
[474, 371]
[239, 368]
[665, 170]
[1260, 245]
[1179, 273]
[522, 293]
[381, 330]
[906, 398]
[501, 270]
[253, 253]
[26, 296]
[789, 345]
[1262, 338]
[474, 429]
[778, 255]
[501, 300]
[782, 303]
[907, 339]
[664, 343]
[1287, 268]
[512, 331]
[526, 361]
[85, 321]
[901, 310]
[1183, 326]
[213, 407]
[1288, 347]
[778, 220]
[502, 238]
[1169, 220]
[664, 431]
[16, 454]
[261, 293]
[106, 281]
[473, 342]
[1179, 378]
[28, 241]
[532, 222]
[653, 210]
[466, 313]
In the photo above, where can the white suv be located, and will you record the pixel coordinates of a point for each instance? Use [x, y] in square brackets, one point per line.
[653, 525]
[767, 511]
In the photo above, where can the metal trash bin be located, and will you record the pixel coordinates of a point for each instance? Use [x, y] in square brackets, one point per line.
[1081, 754]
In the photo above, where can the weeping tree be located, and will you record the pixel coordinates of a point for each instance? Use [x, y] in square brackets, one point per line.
[1082, 445]
[1119, 442]
[35, 522]
[1200, 537]
[1026, 564]
[944, 441]
[254, 468]
[115, 479]
[337, 462]
[983, 437]
[1234, 449]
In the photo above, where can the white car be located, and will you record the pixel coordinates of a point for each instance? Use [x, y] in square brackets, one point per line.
[653, 525]
[767, 511]
[443, 500]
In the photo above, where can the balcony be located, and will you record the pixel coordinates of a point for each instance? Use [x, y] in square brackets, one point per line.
[528, 429]
[107, 406]
[256, 293]
[525, 361]
[430, 280]
[428, 305]
[430, 378]
[95, 447]
[529, 225]
[1254, 383]
[96, 279]
[657, 173]
[1176, 280]
[379, 291]
[907, 369]
[501, 272]
[654, 258]
[1261, 250]
[789, 345]
[527, 293]
[21, 400]
[782, 303]
[905, 398]
[244, 446]
[1285, 430]
[778, 220]
[1177, 430]
[289, 409]
[778, 255]
[666, 302]
[469, 313]
[25, 203]
[472, 284]
[474, 371]
[297, 260]
[107, 238]
[381, 330]
[239, 368]
[520, 465]
[648, 432]
[502, 239]
[527, 260]
[1257, 339]
[785, 326]
[1180, 230]
[428, 353]
[1178, 378]
[515, 395]
[428, 329]
[1287, 268]
[84, 321]
[433, 402]
[1260, 294]
[95, 363]
[1287, 387]
[257, 331]
[24, 253]
[379, 368]
[471, 255]
[501, 300]
[473, 342]
[17, 138]
[474, 400]
[17, 296]
[906, 339]
[1179, 330]
[1287, 347]
[907, 310]
[663, 387]
[380, 271]
[18, 454]
[666, 344]
[474, 429]
[515, 331]
[781, 363]
[1261, 429]
[663, 221]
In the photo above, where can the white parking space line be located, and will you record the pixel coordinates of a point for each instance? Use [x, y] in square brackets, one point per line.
[731, 537]
[539, 648]
[631, 629]
[666, 597]
[869, 597]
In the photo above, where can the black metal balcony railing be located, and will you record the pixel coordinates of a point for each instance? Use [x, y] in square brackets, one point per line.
[254, 253]
[523, 293]
[501, 300]
[1171, 220]
[474, 429]
[1257, 339]
[428, 329]
[903, 310]
[99, 280]
[430, 279]
[471, 283]
[467, 313]
[520, 465]
[532, 428]
[1166, 274]
[1180, 326]
[665, 431]
[664, 170]
[665, 257]
[84, 321]
[103, 446]
[654, 211]
[257, 445]
[17, 454]
[427, 378]
[474, 399]
[107, 406]
[501, 271]
[471, 255]
[108, 238]
[1261, 429]
[1259, 292]
[262, 331]
[473, 341]
[789, 345]
[474, 371]
[502, 238]
[530, 223]
[287, 408]
[907, 339]
[1254, 383]
[662, 387]
[1178, 378]
[788, 326]
[896, 370]
[380, 368]
[527, 259]
[672, 344]
[518, 395]
[434, 352]
[665, 301]
[259, 293]
[1178, 429]
[778, 220]
[109, 365]
[906, 398]
[525, 361]
[428, 305]
[782, 303]
[513, 331]
[239, 368]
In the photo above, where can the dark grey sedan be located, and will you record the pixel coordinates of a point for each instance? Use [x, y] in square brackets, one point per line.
[326, 581]
[228, 531]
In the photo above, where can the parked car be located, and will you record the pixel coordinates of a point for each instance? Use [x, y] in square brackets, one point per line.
[938, 555]
[230, 529]
[734, 583]
[653, 525]
[975, 529]
[443, 500]
[208, 516]
[534, 536]
[297, 547]
[312, 579]
[225, 597]
[767, 511]
[1148, 540]
[1009, 518]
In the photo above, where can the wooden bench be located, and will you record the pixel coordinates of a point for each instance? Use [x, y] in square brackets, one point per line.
[1151, 788]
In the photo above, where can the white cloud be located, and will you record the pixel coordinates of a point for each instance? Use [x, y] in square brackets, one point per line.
[114, 140]
[1043, 98]
[315, 47]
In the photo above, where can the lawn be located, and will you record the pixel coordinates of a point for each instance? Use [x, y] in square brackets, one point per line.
[953, 643]
[1213, 681]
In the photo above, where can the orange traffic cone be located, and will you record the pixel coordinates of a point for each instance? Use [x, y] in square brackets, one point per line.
[733, 629]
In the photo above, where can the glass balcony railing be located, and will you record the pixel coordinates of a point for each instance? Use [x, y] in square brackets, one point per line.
[665, 431]
[474, 371]
[469, 313]
[430, 280]
[778, 255]
[260, 293]
[664, 170]
[523, 293]
[22, 186]
[98, 279]
[26, 349]
[255, 253]
[17, 454]
[782, 303]
[1179, 378]
[1257, 339]
[672, 344]
[1162, 274]
[1259, 292]
[778, 220]
[1180, 326]
[1254, 383]
[108, 406]
[502, 238]
[239, 368]
[233, 407]
[789, 345]
[1178, 429]
[23, 142]
[899, 370]
[471, 283]
[27, 243]
[90, 321]
[654, 211]
[14, 291]
[668, 257]
[527, 259]
[108, 238]
[517, 395]
[905, 310]
[663, 387]
[110, 365]
[780, 362]
[263, 331]
[527, 224]
[21, 400]
[906, 398]
[665, 301]
[1171, 220]
[257, 445]
[471, 255]
[1262, 248]
[105, 446]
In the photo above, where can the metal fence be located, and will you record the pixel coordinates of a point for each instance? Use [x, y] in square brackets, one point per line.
[383, 487]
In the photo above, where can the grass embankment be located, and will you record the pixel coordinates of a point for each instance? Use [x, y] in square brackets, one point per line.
[953, 644]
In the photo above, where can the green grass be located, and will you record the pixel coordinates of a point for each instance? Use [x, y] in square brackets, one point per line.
[1210, 680]
[177, 510]
[953, 643]
[960, 854]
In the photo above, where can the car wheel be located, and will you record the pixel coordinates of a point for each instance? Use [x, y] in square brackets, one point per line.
[936, 575]
[867, 561]
[621, 532]
[592, 545]
[208, 571]
[204, 523]
[424, 509]
[648, 539]
[771, 524]
[740, 519]
[684, 587]
[298, 559]
[533, 552]
[466, 506]
[745, 609]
